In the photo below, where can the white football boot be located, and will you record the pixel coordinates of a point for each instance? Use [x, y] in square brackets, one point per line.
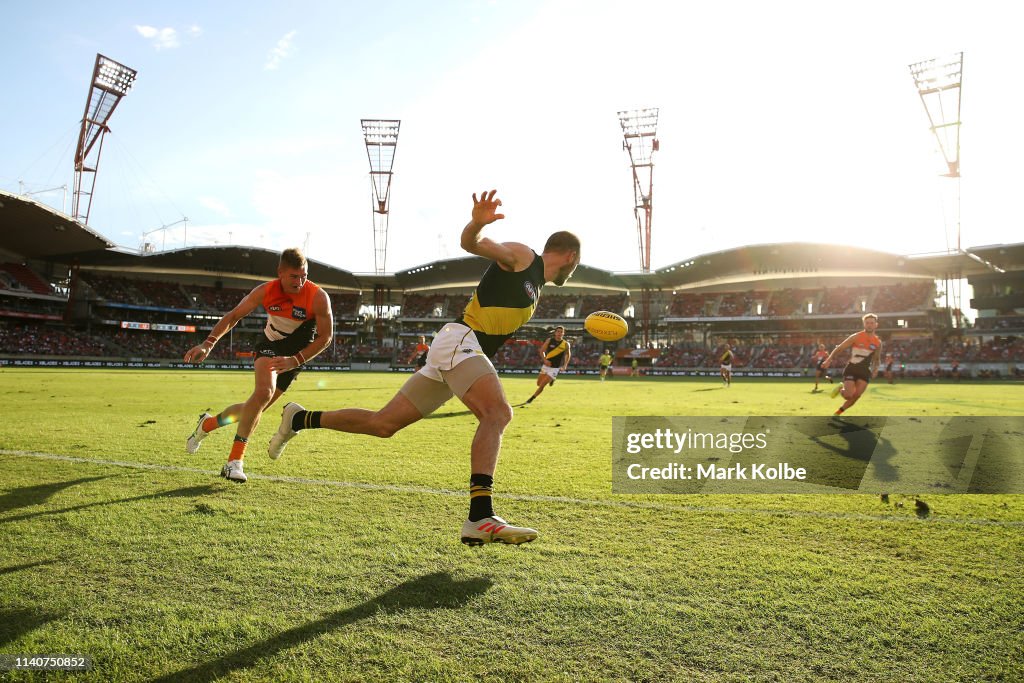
[233, 471]
[284, 431]
[495, 530]
[193, 442]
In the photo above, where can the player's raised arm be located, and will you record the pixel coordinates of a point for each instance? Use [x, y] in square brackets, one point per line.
[509, 255]
[252, 300]
[845, 344]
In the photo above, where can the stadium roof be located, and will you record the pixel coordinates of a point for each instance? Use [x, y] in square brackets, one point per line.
[33, 230]
[36, 231]
[244, 262]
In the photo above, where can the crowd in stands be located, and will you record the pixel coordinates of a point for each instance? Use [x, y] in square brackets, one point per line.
[423, 306]
[554, 306]
[615, 303]
[345, 305]
[788, 302]
[841, 299]
[900, 297]
[29, 337]
[1000, 322]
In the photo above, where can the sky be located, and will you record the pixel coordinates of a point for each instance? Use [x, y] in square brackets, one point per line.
[778, 122]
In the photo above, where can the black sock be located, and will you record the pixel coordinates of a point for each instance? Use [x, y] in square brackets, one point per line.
[480, 497]
[306, 419]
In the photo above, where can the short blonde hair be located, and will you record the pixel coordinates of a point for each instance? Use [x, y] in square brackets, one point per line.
[864, 317]
[292, 258]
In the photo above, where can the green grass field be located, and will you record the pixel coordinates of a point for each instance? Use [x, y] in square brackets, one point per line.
[341, 561]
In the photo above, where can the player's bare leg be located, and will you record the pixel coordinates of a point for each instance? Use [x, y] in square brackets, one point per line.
[209, 422]
[542, 381]
[486, 399]
[851, 390]
[264, 393]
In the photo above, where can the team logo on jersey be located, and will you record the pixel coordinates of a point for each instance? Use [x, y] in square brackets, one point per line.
[531, 291]
[298, 313]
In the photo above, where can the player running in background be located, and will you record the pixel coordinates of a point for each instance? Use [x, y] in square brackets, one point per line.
[299, 326]
[555, 354]
[818, 358]
[605, 361]
[458, 363]
[726, 366]
[420, 353]
[889, 373]
[865, 351]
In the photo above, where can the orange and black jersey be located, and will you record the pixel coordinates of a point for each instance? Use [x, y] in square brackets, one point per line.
[290, 315]
[554, 351]
[864, 347]
[819, 357]
[503, 302]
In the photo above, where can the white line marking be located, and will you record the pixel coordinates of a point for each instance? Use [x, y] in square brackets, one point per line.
[624, 504]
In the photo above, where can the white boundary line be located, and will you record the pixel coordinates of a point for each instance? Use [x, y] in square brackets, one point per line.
[623, 504]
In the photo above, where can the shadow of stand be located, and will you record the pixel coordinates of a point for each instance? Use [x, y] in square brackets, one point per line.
[433, 591]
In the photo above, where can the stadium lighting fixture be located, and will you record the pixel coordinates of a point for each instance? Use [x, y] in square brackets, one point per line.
[639, 131]
[938, 83]
[110, 82]
[381, 138]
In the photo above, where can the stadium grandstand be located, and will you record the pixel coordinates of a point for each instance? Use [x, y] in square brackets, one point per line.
[69, 297]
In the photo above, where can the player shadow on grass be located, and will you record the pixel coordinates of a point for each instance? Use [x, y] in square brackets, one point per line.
[429, 592]
[26, 496]
[15, 623]
[186, 492]
[29, 565]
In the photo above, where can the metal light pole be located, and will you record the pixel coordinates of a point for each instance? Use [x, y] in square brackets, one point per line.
[110, 82]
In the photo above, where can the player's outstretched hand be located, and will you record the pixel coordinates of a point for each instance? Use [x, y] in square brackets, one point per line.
[197, 354]
[485, 207]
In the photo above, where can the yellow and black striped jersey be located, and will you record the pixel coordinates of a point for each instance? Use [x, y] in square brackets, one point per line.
[503, 302]
[554, 351]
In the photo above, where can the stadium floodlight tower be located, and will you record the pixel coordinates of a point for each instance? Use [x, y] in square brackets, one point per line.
[381, 141]
[110, 82]
[381, 137]
[938, 84]
[639, 131]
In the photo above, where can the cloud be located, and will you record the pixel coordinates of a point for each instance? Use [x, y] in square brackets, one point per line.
[160, 37]
[280, 51]
[215, 205]
[195, 30]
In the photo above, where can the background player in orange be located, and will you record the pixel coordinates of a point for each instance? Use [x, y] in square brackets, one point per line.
[299, 326]
[420, 354]
[818, 358]
[555, 354]
[865, 351]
